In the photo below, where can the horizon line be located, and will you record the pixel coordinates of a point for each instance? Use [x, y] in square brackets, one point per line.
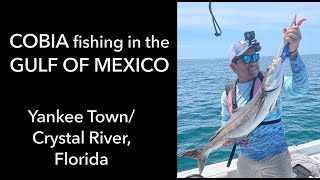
[211, 58]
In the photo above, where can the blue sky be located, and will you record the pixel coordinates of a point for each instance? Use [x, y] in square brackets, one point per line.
[196, 31]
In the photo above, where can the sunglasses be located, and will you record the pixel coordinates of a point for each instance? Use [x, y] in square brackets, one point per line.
[247, 58]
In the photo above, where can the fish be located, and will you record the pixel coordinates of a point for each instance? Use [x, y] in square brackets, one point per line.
[246, 118]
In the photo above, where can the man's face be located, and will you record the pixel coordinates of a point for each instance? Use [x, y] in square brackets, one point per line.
[246, 72]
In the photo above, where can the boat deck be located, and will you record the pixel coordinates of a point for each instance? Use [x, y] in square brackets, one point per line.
[219, 170]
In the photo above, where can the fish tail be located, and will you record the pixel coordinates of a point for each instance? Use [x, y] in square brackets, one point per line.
[199, 154]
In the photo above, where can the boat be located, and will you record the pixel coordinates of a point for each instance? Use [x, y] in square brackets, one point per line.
[311, 150]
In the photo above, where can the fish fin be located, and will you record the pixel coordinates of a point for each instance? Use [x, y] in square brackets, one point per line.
[202, 162]
[238, 140]
[198, 154]
[299, 22]
[212, 138]
[215, 135]
[274, 106]
[191, 153]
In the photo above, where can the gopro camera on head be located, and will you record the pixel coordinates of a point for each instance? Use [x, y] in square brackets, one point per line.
[250, 37]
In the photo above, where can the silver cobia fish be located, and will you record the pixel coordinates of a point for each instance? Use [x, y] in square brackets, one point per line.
[249, 116]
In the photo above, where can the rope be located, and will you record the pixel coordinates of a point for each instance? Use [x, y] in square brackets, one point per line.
[215, 23]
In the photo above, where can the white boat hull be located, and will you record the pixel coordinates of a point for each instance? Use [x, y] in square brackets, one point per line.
[220, 170]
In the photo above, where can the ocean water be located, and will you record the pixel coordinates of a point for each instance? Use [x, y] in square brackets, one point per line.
[200, 85]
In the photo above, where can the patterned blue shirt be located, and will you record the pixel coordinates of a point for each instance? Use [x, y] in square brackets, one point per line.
[268, 140]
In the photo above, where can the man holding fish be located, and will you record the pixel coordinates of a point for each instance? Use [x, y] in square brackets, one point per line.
[264, 151]
[252, 107]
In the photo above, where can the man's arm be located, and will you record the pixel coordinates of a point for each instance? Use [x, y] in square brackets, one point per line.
[225, 115]
[298, 84]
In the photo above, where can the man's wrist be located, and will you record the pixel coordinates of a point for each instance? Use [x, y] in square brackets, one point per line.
[293, 55]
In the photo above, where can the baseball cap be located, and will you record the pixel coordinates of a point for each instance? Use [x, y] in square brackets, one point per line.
[238, 48]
